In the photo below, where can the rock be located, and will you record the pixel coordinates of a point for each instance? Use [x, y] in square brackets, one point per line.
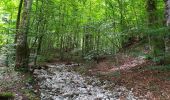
[35, 91]
[18, 97]
[57, 98]
[68, 85]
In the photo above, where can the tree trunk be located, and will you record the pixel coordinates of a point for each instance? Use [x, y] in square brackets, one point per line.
[167, 12]
[156, 41]
[151, 9]
[167, 37]
[38, 49]
[22, 49]
[18, 20]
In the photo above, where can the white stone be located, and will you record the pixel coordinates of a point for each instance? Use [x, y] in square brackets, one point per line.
[64, 85]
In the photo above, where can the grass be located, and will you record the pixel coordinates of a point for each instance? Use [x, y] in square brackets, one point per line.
[6, 96]
[29, 79]
[30, 94]
[159, 68]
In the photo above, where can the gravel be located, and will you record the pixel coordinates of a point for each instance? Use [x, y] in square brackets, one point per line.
[57, 83]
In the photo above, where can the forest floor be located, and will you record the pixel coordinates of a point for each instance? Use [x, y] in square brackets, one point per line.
[132, 76]
[143, 77]
[16, 85]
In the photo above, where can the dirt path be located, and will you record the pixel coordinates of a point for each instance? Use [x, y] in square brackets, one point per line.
[59, 83]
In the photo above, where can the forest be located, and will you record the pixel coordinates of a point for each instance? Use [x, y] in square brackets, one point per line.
[84, 50]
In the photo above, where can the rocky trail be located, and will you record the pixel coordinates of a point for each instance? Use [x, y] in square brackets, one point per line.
[60, 83]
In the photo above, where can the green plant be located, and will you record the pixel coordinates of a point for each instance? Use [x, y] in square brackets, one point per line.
[163, 68]
[30, 79]
[81, 69]
[7, 95]
[30, 94]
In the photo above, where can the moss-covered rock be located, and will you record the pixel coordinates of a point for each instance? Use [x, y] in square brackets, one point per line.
[6, 96]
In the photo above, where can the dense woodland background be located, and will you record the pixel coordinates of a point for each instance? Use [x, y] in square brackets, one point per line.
[126, 42]
[38, 30]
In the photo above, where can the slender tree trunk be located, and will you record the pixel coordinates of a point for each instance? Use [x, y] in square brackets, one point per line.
[167, 37]
[22, 49]
[38, 49]
[120, 3]
[156, 40]
[18, 20]
[151, 9]
[167, 12]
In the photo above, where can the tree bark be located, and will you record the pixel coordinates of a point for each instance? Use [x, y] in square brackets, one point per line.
[167, 36]
[151, 9]
[167, 12]
[22, 49]
[18, 20]
[38, 49]
[156, 40]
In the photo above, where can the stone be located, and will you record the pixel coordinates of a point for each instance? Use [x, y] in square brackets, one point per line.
[68, 85]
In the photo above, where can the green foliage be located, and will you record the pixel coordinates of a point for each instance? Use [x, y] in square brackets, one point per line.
[63, 25]
[94, 54]
[90, 55]
[7, 94]
[157, 59]
[163, 68]
[30, 79]
[22, 70]
[9, 52]
[30, 94]
[44, 58]
[82, 70]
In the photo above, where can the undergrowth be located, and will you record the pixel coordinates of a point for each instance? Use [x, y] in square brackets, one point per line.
[163, 68]
[7, 96]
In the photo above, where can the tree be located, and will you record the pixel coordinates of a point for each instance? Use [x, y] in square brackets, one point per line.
[167, 23]
[18, 19]
[167, 12]
[156, 40]
[22, 49]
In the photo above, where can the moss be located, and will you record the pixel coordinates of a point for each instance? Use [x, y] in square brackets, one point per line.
[22, 69]
[6, 96]
[29, 79]
[30, 94]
